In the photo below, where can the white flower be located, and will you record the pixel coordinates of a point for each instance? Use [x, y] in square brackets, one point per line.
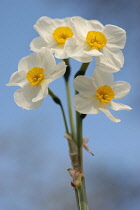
[54, 34]
[35, 73]
[94, 39]
[98, 92]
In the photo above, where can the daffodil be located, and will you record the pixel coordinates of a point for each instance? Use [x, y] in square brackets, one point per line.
[93, 39]
[98, 92]
[35, 73]
[54, 34]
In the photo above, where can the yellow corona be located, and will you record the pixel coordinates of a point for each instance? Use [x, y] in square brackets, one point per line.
[61, 34]
[96, 39]
[105, 93]
[35, 75]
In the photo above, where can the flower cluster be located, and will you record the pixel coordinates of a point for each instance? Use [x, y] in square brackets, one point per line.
[81, 40]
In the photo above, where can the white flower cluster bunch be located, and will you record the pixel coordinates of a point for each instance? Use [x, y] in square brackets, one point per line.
[81, 40]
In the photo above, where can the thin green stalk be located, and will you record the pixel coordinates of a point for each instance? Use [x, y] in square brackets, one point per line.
[70, 110]
[80, 117]
[79, 140]
[82, 69]
[58, 101]
[69, 101]
[77, 199]
[82, 197]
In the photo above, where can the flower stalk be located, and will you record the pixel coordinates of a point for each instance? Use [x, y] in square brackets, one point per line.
[69, 101]
[82, 69]
[58, 101]
[81, 190]
[82, 197]
[77, 159]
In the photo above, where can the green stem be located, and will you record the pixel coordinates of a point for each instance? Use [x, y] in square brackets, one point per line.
[79, 140]
[82, 69]
[58, 101]
[82, 197]
[67, 73]
[69, 101]
[70, 110]
[79, 118]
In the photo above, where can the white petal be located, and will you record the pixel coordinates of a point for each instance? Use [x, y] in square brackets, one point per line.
[83, 49]
[85, 85]
[93, 52]
[23, 98]
[102, 77]
[108, 114]
[70, 46]
[116, 36]
[58, 72]
[95, 25]
[37, 43]
[18, 78]
[87, 59]
[43, 92]
[52, 45]
[62, 22]
[68, 49]
[117, 106]
[45, 59]
[60, 53]
[82, 52]
[86, 105]
[45, 27]
[111, 60]
[121, 89]
[77, 52]
[80, 27]
[28, 62]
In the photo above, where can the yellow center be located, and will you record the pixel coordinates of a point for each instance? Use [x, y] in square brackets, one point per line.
[105, 93]
[35, 75]
[96, 39]
[61, 34]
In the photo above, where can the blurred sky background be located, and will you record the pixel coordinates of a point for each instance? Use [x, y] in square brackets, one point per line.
[33, 152]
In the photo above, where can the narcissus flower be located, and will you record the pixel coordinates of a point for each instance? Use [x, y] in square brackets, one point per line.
[35, 73]
[94, 39]
[54, 34]
[97, 94]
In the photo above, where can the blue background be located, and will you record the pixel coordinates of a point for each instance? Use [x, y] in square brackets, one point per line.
[33, 151]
